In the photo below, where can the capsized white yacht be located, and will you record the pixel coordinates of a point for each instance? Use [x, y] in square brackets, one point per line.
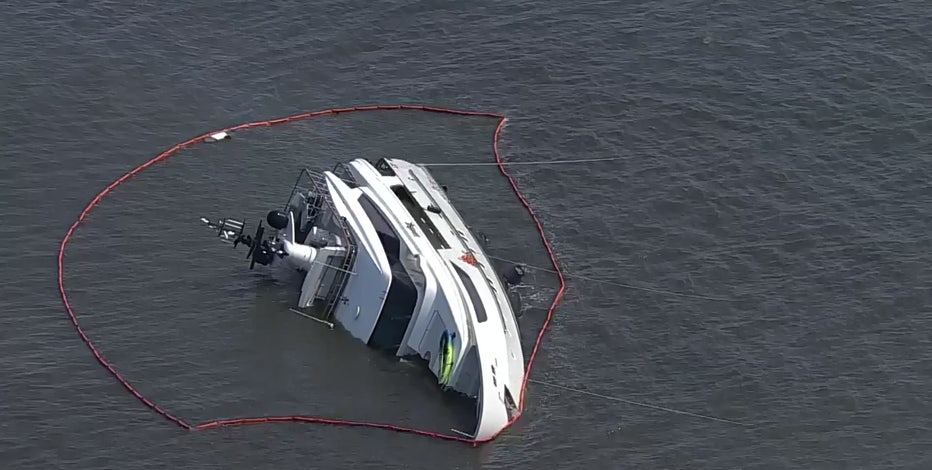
[388, 257]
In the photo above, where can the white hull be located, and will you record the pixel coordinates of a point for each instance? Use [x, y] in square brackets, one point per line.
[416, 283]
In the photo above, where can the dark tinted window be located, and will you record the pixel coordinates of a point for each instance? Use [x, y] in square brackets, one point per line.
[473, 295]
[420, 217]
[387, 234]
[384, 168]
[396, 314]
[401, 299]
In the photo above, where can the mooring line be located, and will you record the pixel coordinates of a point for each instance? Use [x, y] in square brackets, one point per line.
[620, 284]
[538, 162]
[637, 403]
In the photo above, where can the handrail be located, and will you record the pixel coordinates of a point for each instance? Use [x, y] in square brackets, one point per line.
[317, 181]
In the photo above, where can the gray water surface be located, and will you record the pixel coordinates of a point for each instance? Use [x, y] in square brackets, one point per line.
[777, 155]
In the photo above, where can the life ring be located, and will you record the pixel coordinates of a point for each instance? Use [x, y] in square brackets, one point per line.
[446, 357]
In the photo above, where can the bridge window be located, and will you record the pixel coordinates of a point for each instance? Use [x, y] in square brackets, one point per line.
[401, 299]
[477, 304]
[420, 217]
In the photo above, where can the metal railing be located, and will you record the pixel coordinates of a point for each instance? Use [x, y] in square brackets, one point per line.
[328, 218]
